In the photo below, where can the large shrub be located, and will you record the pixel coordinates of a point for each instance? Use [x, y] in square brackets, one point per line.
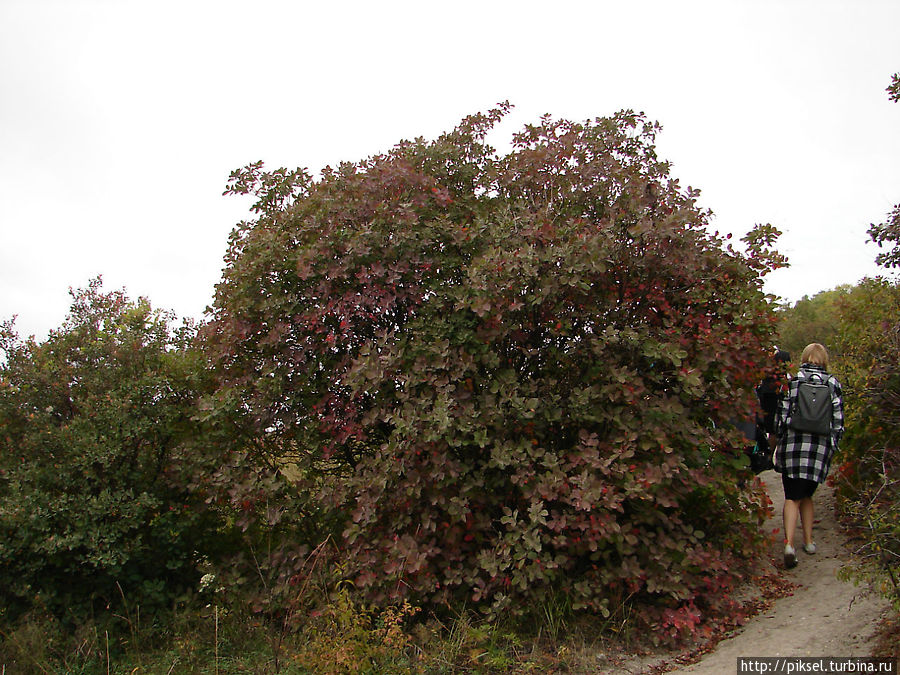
[93, 510]
[867, 478]
[511, 376]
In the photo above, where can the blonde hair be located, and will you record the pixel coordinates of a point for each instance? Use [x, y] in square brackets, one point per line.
[816, 354]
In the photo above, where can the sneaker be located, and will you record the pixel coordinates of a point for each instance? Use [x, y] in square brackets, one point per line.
[809, 548]
[790, 557]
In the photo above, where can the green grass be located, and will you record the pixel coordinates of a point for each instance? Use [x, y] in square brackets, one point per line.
[342, 638]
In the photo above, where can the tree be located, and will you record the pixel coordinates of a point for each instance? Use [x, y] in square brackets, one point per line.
[510, 377]
[888, 232]
[812, 319]
[92, 506]
[893, 89]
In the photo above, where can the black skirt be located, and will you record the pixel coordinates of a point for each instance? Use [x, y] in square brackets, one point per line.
[796, 489]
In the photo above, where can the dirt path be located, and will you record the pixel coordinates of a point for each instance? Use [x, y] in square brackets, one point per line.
[824, 616]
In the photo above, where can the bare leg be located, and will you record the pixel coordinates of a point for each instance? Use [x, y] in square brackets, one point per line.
[806, 517]
[790, 513]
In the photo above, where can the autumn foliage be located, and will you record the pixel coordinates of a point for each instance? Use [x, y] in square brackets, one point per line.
[503, 378]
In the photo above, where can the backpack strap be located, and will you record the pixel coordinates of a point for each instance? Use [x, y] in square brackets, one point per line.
[824, 377]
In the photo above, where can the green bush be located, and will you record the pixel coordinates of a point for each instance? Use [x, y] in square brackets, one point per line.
[94, 513]
[509, 378]
[868, 474]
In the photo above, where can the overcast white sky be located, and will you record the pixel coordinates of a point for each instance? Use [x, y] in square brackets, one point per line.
[121, 119]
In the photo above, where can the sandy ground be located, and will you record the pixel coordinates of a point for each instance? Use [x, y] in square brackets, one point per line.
[824, 617]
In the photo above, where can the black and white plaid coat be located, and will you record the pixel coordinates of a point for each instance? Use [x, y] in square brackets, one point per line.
[804, 455]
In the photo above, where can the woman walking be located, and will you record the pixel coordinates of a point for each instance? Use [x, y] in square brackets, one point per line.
[803, 457]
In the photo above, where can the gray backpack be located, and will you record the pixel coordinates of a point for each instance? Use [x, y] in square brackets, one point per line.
[811, 410]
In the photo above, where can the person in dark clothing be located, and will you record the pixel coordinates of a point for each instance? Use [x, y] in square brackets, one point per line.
[770, 392]
[803, 458]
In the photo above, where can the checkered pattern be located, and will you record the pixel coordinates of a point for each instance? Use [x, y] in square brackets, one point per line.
[805, 455]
